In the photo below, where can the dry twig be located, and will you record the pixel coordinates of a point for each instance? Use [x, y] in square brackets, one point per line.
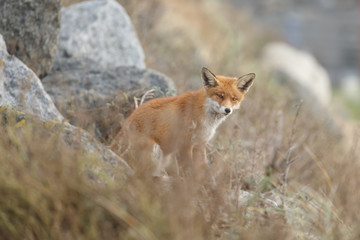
[292, 146]
[147, 95]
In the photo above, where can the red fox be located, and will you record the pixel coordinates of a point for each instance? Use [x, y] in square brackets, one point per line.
[183, 124]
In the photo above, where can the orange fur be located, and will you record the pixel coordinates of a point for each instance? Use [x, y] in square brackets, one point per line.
[182, 124]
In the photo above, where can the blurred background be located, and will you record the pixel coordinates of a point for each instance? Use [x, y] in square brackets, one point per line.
[328, 29]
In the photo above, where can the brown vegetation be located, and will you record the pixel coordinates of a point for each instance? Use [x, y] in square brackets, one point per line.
[45, 193]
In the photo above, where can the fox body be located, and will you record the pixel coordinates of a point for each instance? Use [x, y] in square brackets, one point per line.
[182, 124]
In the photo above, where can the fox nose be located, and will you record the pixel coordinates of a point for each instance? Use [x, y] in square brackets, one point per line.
[227, 110]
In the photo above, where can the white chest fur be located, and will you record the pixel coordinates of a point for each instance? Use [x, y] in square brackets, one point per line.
[206, 129]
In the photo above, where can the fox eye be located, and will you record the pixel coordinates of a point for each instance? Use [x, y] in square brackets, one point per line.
[234, 99]
[220, 96]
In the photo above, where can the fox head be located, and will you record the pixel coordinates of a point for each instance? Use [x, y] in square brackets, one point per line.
[224, 94]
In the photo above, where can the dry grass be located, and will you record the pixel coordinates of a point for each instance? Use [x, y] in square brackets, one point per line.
[48, 196]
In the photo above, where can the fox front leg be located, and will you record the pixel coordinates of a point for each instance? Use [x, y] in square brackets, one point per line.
[199, 157]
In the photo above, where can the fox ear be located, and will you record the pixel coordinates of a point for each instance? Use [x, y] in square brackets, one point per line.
[244, 82]
[209, 79]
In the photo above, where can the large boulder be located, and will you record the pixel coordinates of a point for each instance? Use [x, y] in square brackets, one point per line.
[103, 33]
[31, 30]
[97, 98]
[22, 89]
[93, 85]
[301, 71]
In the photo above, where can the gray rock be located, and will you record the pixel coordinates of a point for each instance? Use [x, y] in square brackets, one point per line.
[103, 33]
[31, 30]
[84, 92]
[21, 88]
[305, 78]
[93, 86]
[301, 70]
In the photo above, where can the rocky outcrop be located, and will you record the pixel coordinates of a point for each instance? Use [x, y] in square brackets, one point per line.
[300, 70]
[31, 31]
[21, 88]
[111, 64]
[103, 33]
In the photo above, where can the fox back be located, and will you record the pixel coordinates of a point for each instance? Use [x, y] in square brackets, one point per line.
[181, 125]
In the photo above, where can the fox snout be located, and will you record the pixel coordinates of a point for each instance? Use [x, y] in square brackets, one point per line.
[225, 110]
[214, 106]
